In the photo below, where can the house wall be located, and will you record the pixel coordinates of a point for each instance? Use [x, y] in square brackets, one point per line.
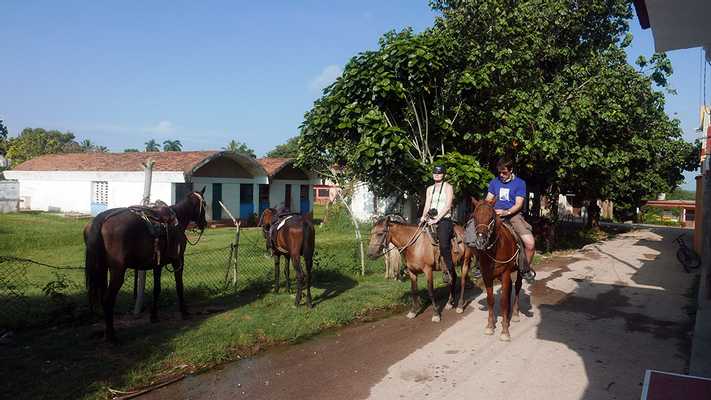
[278, 186]
[70, 191]
[230, 193]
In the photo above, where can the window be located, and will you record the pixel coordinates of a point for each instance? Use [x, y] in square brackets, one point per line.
[100, 192]
[322, 193]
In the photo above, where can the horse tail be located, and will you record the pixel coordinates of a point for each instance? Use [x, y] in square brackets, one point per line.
[95, 268]
[309, 243]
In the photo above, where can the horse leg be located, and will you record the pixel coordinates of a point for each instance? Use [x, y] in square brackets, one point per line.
[178, 272]
[415, 298]
[276, 273]
[452, 288]
[295, 259]
[517, 291]
[505, 306]
[309, 264]
[491, 322]
[109, 301]
[156, 293]
[430, 289]
[287, 260]
[463, 283]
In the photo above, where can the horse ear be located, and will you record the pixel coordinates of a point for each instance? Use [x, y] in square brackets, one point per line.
[475, 202]
[491, 201]
[203, 190]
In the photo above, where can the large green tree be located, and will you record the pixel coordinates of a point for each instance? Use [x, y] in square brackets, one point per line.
[544, 82]
[3, 138]
[290, 149]
[33, 142]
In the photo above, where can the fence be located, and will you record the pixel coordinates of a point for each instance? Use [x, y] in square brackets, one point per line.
[9, 196]
[36, 293]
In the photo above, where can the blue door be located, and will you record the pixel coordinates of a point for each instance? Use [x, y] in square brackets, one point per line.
[304, 199]
[246, 200]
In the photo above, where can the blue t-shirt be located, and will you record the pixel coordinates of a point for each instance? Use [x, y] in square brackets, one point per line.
[506, 193]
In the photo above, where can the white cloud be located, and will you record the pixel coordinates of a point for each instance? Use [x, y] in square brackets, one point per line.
[162, 128]
[326, 77]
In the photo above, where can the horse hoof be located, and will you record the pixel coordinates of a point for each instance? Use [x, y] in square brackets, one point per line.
[411, 315]
[448, 306]
[436, 318]
[505, 337]
[489, 331]
[460, 310]
[515, 318]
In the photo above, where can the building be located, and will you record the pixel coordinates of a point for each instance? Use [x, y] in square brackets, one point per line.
[93, 182]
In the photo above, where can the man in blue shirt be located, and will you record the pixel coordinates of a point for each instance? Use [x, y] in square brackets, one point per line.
[510, 194]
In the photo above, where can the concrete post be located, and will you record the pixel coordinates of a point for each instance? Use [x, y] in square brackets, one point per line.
[140, 283]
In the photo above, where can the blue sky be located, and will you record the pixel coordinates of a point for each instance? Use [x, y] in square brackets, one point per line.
[121, 74]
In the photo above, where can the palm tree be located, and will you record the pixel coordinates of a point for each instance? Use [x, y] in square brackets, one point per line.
[152, 145]
[86, 145]
[172, 145]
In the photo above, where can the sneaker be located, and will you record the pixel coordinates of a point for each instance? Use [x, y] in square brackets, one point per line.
[529, 276]
[476, 274]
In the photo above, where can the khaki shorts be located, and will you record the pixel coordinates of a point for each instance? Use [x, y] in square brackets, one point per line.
[520, 225]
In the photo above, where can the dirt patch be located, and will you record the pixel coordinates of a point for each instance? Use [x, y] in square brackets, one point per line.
[341, 365]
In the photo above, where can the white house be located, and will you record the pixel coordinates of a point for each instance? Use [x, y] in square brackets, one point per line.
[93, 182]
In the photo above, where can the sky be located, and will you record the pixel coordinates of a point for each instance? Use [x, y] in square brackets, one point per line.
[120, 74]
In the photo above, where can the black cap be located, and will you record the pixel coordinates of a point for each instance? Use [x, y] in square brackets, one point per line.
[438, 169]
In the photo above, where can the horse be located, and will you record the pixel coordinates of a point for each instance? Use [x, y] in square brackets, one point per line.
[140, 238]
[420, 257]
[295, 238]
[497, 249]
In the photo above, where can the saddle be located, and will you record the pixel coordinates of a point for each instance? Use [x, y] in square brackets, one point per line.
[274, 230]
[457, 239]
[161, 222]
[521, 258]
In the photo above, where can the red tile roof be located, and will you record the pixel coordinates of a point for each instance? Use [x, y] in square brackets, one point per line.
[183, 161]
[164, 161]
[274, 165]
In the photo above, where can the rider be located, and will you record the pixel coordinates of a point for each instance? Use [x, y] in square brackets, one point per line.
[510, 194]
[437, 210]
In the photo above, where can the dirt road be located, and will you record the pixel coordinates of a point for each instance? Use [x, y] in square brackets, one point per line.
[593, 322]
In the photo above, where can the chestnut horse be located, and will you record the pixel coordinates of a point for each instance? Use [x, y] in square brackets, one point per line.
[497, 250]
[294, 239]
[122, 238]
[419, 252]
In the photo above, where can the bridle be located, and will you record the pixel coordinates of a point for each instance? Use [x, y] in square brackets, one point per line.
[202, 208]
[491, 230]
[386, 239]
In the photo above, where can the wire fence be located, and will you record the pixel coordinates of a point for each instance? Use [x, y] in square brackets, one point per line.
[34, 293]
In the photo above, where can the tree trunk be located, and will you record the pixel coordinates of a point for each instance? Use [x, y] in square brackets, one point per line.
[593, 221]
[357, 233]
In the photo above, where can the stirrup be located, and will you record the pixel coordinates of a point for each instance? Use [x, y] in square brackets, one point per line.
[529, 276]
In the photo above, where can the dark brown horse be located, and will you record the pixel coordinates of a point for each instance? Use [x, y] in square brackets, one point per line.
[142, 239]
[420, 257]
[294, 239]
[497, 251]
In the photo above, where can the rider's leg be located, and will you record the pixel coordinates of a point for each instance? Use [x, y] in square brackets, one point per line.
[524, 230]
[445, 229]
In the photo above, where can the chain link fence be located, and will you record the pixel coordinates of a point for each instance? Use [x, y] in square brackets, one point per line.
[35, 293]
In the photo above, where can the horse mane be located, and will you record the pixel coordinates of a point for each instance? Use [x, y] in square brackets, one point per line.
[394, 218]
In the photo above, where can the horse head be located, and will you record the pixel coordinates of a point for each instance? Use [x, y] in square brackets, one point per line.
[483, 222]
[197, 209]
[266, 219]
[380, 235]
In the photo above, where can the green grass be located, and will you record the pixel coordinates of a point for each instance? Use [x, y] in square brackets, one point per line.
[66, 356]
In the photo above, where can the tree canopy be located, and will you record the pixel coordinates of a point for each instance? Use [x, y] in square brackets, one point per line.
[152, 145]
[33, 142]
[172, 145]
[240, 148]
[290, 149]
[546, 83]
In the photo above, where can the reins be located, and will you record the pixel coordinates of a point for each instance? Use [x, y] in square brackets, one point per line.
[409, 243]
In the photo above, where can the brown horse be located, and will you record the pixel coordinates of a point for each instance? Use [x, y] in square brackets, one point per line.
[420, 257]
[497, 250]
[294, 239]
[139, 238]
